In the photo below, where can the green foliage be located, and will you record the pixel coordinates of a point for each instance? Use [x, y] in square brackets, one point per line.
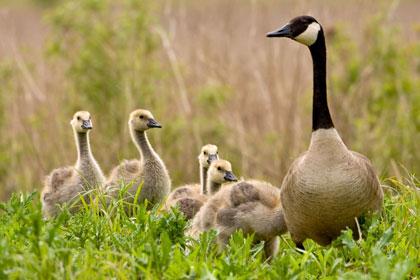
[213, 97]
[106, 57]
[152, 245]
[108, 48]
[112, 55]
[45, 3]
[6, 73]
[383, 73]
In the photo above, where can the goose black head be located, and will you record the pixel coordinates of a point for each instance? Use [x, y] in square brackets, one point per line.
[303, 29]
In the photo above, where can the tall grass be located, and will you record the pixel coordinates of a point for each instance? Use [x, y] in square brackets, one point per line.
[152, 245]
[209, 75]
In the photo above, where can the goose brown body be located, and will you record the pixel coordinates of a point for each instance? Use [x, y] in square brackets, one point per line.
[328, 187]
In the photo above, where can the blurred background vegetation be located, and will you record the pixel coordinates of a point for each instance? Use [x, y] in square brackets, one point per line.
[209, 75]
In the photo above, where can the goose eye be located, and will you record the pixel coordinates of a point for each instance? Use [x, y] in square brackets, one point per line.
[78, 118]
[141, 117]
[219, 168]
[205, 153]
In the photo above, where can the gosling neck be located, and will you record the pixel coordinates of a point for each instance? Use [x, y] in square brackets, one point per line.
[203, 179]
[143, 144]
[321, 117]
[83, 147]
[213, 186]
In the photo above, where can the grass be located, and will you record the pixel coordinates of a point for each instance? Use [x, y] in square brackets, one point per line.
[152, 245]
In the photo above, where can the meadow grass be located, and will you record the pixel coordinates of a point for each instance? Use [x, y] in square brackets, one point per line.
[151, 244]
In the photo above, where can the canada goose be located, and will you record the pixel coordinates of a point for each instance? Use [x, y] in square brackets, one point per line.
[252, 206]
[220, 172]
[149, 172]
[191, 197]
[64, 184]
[329, 186]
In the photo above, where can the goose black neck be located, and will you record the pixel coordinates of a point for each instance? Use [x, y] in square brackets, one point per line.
[321, 117]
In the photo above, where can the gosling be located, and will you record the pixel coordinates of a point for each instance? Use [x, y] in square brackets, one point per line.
[64, 185]
[149, 172]
[251, 206]
[190, 201]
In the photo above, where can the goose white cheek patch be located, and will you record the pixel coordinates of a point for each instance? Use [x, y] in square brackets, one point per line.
[309, 36]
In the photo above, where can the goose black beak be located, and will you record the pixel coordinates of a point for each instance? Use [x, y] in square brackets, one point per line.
[86, 124]
[230, 177]
[211, 158]
[283, 31]
[153, 123]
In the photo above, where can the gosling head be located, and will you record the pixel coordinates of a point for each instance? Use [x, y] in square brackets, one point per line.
[142, 120]
[220, 171]
[207, 155]
[304, 29]
[81, 122]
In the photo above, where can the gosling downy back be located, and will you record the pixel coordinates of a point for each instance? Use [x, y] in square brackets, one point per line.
[251, 206]
[328, 186]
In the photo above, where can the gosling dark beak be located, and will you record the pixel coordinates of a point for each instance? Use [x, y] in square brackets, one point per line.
[153, 123]
[86, 124]
[230, 177]
[211, 158]
[283, 31]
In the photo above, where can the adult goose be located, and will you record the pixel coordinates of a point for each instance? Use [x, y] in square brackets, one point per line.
[328, 186]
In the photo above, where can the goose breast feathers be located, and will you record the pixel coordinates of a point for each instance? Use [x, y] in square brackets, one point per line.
[326, 188]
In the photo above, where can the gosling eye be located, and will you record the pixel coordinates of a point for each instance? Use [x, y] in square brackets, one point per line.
[78, 118]
[205, 153]
[219, 168]
[141, 117]
[217, 152]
